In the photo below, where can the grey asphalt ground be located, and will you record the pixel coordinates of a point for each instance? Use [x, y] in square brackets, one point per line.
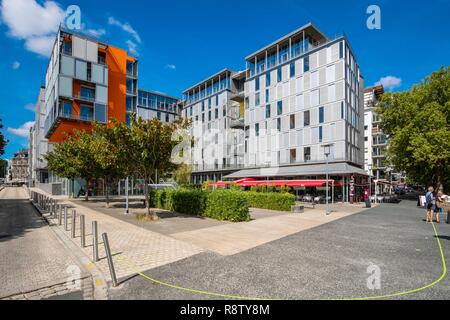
[328, 262]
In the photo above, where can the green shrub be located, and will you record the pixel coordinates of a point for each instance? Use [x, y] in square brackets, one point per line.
[227, 205]
[186, 201]
[284, 189]
[271, 201]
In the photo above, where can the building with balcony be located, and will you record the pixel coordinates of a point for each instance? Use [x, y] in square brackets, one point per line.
[302, 92]
[375, 141]
[86, 81]
[153, 104]
[216, 108]
[38, 144]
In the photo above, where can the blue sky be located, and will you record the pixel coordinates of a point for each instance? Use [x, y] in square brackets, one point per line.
[181, 42]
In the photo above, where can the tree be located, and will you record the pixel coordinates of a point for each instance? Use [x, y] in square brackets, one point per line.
[418, 125]
[110, 150]
[152, 143]
[74, 158]
[183, 174]
[3, 141]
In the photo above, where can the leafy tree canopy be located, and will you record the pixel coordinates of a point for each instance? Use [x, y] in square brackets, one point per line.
[417, 122]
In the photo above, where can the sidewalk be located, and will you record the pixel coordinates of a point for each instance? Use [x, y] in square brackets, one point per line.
[235, 238]
[146, 249]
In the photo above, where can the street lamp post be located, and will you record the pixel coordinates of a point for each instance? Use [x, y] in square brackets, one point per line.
[127, 211]
[327, 152]
[370, 181]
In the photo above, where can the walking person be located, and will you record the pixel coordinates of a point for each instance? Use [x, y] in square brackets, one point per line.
[440, 199]
[430, 204]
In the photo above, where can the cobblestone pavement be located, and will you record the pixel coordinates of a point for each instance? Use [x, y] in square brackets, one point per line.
[33, 263]
[144, 248]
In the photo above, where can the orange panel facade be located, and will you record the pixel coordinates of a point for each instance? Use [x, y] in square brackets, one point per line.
[116, 59]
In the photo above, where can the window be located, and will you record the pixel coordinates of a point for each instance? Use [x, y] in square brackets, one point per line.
[293, 155]
[191, 111]
[167, 117]
[67, 109]
[279, 124]
[86, 113]
[100, 113]
[87, 93]
[341, 50]
[280, 108]
[67, 48]
[307, 154]
[267, 95]
[320, 134]
[366, 127]
[279, 74]
[158, 115]
[257, 99]
[321, 115]
[342, 111]
[306, 64]
[203, 104]
[203, 117]
[292, 69]
[209, 115]
[217, 113]
[224, 112]
[268, 111]
[292, 121]
[129, 103]
[257, 86]
[306, 118]
[257, 129]
[217, 100]
[268, 79]
[247, 102]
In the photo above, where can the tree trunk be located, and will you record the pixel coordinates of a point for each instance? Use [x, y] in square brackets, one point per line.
[86, 196]
[107, 192]
[147, 197]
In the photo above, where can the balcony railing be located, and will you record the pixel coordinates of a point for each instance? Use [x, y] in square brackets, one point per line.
[84, 98]
[204, 168]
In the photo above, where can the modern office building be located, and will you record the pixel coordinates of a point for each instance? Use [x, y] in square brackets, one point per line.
[375, 141]
[216, 108]
[153, 104]
[38, 144]
[302, 92]
[86, 80]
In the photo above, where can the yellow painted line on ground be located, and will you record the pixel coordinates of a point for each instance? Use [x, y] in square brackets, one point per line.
[134, 269]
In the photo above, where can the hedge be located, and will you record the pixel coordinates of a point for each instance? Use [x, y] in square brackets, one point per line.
[227, 205]
[187, 201]
[271, 200]
[220, 204]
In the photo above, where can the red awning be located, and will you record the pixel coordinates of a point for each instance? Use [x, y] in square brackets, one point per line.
[277, 183]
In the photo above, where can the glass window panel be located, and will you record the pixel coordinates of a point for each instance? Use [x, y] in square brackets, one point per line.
[102, 94]
[100, 113]
[86, 113]
[68, 66]
[81, 70]
[65, 86]
[97, 73]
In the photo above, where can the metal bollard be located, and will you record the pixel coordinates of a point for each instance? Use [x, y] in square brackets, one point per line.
[65, 218]
[60, 214]
[82, 232]
[95, 240]
[110, 260]
[74, 221]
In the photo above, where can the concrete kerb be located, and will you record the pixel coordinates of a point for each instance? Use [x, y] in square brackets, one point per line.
[98, 280]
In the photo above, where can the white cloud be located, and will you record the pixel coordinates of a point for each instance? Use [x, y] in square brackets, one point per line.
[16, 65]
[171, 66]
[33, 22]
[23, 131]
[132, 48]
[390, 82]
[30, 107]
[125, 27]
[96, 33]
[41, 45]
